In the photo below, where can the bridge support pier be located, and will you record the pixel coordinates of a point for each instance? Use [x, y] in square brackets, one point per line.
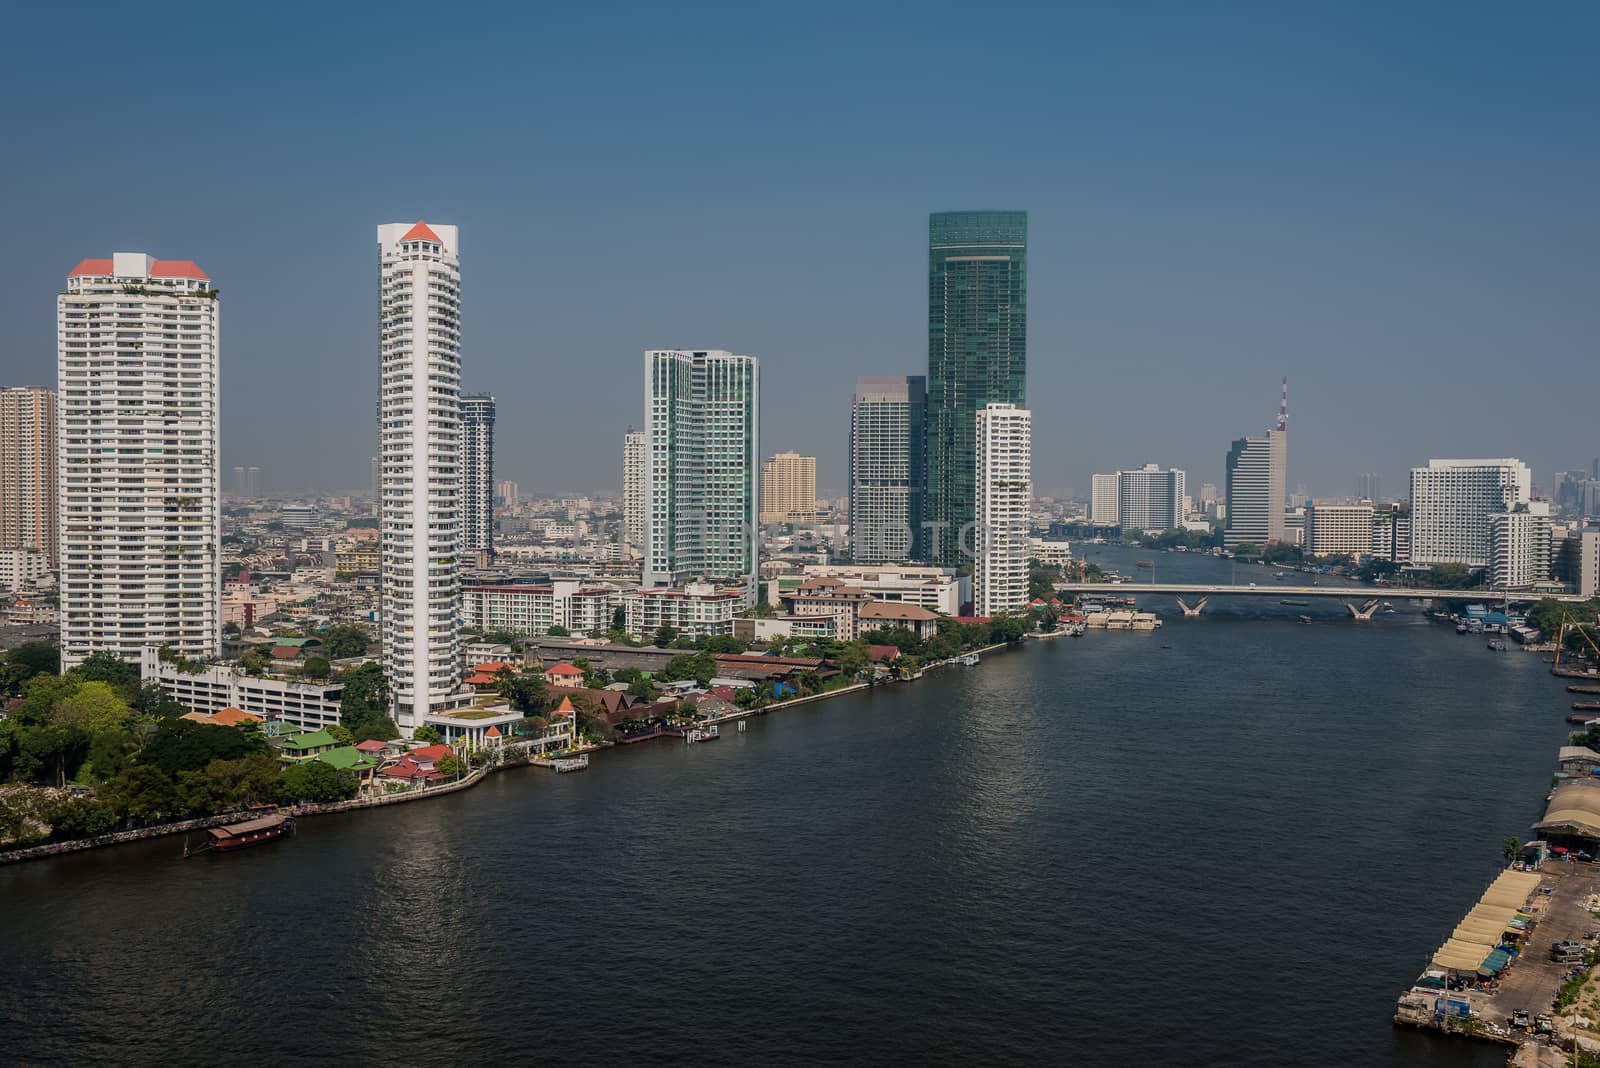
[1188, 612]
[1365, 611]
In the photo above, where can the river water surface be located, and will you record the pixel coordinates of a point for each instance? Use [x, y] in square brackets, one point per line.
[1230, 842]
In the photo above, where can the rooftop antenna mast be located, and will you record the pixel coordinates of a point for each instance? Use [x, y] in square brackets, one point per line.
[1283, 406]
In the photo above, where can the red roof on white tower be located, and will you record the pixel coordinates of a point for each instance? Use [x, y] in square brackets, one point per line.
[97, 268]
[421, 232]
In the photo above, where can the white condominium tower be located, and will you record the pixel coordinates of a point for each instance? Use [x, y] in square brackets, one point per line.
[702, 432]
[1150, 498]
[477, 473]
[419, 412]
[1103, 500]
[886, 470]
[1001, 505]
[633, 481]
[28, 471]
[1451, 502]
[137, 458]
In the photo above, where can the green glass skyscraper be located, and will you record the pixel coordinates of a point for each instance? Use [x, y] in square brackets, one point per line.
[977, 355]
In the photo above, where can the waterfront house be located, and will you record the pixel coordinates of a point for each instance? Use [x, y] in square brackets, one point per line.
[380, 751]
[349, 758]
[881, 615]
[1578, 760]
[303, 746]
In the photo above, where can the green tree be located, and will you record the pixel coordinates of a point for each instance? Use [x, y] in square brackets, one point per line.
[1511, 849]
[30, 659]
[526, 690]
[341, 734]
[451, 766]
[556, 630]
[619, 618]
[255, 661]
[725, 644]
[112, 670]
[427, 734]
[314, 781]
[40, 695]
[664, 636]
[183, 745]
[1247, 548]
[346, 640]
[698, 666]
[145, 793]
[92, 707]
[1450, 576]
[316, 667]
[852, 660]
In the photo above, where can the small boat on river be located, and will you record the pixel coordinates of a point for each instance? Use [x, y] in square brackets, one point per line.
[250, 833]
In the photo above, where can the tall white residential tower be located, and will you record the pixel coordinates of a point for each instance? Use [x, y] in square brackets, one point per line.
[419, 414]
[702, 433]
[137, 458]
[633, 483]
[477, 473]
[1001, 505]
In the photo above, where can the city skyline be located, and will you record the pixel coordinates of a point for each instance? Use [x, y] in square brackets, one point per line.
[1257, 251]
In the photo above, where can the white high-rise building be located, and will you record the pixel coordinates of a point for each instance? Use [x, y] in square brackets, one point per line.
[477, 473]
[1257, 470]
[1103, 495]
[419, 414]
[138, 458]
[1451, 502]
[1001, 504]
[1150, 498]
[633, 487]
[886, 470]
[1520, 546]
[702, 433]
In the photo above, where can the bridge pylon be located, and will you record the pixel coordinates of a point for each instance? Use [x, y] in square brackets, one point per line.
[1365, 611]
[1191, 612]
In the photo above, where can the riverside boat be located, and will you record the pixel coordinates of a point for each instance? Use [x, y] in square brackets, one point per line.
[702, 734]
[1295, 603]
[252, 832]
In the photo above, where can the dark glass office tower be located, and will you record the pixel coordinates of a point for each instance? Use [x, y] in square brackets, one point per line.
[977, 355]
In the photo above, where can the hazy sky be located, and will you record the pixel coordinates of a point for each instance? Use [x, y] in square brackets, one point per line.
[1394, 204]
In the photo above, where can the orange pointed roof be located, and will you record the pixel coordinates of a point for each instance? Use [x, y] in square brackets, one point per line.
[492, 732]
[565, 706]
[421, 232]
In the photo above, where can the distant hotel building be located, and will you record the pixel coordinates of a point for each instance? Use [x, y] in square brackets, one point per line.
[702, 427]
[137, 459]
[696, 610]
[477, 473]
[977, 355]
[1103, 500]
[1339, 529]
[788, 488]
[419, 428]
[634, 476]
[1150, 498]
[1003, 499]
[1577, 562]
[1451, 502]
[1257, 470]
[528, 610]
[28, 471]
[886, 470]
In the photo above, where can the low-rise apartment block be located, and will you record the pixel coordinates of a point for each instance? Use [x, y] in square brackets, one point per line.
[527, 610]
[697, 610]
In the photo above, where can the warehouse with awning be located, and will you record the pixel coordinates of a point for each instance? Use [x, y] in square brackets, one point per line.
[1573, 812]
[1475, 945]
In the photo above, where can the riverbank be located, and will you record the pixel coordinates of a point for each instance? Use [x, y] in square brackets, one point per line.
[466, 782]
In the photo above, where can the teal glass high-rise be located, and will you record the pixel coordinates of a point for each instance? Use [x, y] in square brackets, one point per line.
[977, 355]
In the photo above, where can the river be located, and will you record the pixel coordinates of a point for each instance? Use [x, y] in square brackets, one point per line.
[1229, 842]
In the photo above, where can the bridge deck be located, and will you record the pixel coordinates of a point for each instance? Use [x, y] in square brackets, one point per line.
[1283, 589]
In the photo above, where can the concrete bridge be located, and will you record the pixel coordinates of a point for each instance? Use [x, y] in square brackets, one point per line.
[1362, 601]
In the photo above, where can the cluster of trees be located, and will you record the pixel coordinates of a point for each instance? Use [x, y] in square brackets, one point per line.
[1582, 634]
[364, 705]
[98, 726]
[1172, 539]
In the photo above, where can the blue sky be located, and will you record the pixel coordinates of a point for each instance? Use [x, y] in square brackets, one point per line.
[1395, 205]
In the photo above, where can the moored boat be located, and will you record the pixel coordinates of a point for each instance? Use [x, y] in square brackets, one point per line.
[251, 832]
